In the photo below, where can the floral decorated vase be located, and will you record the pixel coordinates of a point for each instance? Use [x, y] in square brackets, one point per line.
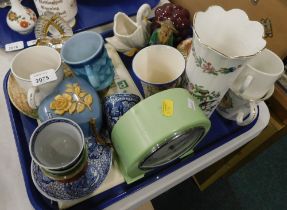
[223, 41]
[74, 99]
[20, 19]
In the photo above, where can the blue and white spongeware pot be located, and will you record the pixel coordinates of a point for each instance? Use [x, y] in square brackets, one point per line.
[99, 165]
[223, 41]
[158, 67]
[117, 105]
[75, 99]
[86, 55]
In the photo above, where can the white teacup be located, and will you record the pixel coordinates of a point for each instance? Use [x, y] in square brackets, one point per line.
[243, 111]
[34, 60]
[258, 75]
[57, 144]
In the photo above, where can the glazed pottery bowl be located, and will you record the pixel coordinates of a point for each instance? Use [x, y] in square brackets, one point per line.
[71, 172]
[94, 174]
[116, 105]
[57, 144]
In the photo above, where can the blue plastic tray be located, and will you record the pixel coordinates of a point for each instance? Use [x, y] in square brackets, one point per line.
[90, 14]
[222, 131]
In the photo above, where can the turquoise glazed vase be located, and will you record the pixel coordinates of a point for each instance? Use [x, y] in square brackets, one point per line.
[86, 55]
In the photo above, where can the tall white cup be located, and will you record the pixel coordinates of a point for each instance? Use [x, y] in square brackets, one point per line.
[258, 75]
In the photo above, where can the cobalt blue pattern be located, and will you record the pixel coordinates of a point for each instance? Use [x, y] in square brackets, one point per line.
[118, 104]
[99, 164]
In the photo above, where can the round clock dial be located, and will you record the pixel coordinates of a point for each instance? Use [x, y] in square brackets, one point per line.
[173, 148]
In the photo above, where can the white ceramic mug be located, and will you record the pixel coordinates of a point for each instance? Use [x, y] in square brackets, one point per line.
[258, 75]
[66, 8]
[34, 60]
[56, 144]
[158, 67]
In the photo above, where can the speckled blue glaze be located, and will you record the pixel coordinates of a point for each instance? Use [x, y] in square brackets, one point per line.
[81, 118]
[116, 105]
[99, 164]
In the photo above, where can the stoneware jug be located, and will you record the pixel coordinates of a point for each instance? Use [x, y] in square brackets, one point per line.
[222, 42]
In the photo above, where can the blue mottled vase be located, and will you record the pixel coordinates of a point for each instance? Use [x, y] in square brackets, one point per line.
[86, 55]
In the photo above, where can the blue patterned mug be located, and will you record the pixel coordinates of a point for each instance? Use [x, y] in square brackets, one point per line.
[86, 55]
[116, 105]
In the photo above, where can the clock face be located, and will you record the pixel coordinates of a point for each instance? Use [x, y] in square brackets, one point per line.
[173, 148]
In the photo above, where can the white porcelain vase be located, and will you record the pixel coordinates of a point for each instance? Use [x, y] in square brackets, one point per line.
[222, 42]
[20, 19]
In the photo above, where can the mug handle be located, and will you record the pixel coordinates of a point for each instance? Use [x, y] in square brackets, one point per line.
[93, 79]
[31, 97]
[252, 115]
[245, 84]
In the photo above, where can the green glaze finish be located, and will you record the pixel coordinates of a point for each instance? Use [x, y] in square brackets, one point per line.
[144, 126]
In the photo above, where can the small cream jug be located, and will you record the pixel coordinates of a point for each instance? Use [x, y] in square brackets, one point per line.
[129, 34]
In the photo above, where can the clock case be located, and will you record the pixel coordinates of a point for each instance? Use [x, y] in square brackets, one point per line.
[142, 131]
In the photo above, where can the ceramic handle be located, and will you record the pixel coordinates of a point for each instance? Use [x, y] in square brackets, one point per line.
[252, 115]
[31, 97]
[245, 84]
[93, 79]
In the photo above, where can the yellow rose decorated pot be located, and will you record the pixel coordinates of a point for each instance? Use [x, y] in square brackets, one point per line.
[75, 99]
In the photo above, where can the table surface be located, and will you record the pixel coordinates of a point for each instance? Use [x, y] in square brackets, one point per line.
[13, 193]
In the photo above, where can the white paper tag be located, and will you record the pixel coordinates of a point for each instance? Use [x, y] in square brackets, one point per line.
[14, 46]
[190, 104]
[43, 77]
[31, 42]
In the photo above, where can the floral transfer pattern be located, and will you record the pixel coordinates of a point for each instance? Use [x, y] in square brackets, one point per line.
[207, 67]
[207, 100]
[73, 100]
[21, 20]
